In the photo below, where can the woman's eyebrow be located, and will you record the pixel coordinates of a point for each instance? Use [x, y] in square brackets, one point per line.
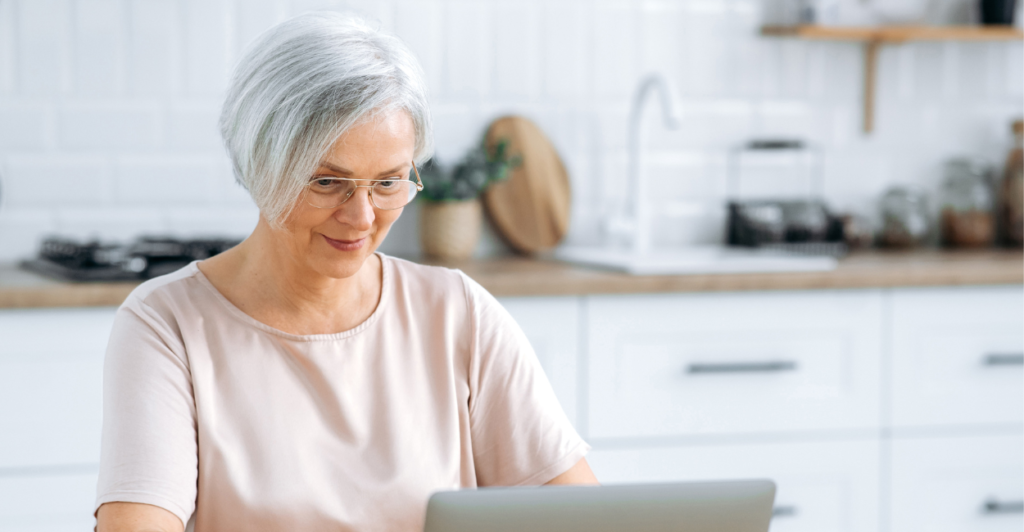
[340, 170]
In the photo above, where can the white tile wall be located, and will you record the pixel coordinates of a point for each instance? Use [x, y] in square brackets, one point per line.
[108, 108]
[565, 62]
[43, 31]
[8, 35]
[154, 47]
[114, 126]
[99, 48]
[37, 180]
[25, 126]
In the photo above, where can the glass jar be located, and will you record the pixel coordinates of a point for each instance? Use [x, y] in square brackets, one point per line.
[1011, 196]
[904, 219]
[967, 204]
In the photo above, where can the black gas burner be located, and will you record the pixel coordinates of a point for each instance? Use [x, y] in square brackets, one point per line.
[147, 257]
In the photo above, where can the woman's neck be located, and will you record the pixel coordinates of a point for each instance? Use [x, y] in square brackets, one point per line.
[270, 285]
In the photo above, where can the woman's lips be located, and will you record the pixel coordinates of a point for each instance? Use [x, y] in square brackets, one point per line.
[345, 245]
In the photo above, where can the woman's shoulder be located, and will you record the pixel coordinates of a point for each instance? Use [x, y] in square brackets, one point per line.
[425, 276]
[178, 287]
[438, 285]
[159, 307]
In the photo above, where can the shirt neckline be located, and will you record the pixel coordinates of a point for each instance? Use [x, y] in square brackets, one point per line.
[385, 293]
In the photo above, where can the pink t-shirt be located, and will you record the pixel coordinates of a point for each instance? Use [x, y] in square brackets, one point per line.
[238, 426]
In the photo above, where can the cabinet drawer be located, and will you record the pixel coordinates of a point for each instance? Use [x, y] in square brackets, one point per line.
[958, 356]
[821, 486]
[552, 326]
[56, 503]
[51, 373]
[958, 484]
[733, 363]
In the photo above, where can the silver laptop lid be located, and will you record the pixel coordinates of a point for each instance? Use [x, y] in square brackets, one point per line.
[733, 506]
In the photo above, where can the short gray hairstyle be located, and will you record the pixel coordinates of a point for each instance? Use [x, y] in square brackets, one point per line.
[299, 87]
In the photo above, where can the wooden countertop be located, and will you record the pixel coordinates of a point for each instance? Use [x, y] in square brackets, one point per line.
[515, 276]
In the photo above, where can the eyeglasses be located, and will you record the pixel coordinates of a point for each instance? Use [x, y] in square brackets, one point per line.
[385, 194]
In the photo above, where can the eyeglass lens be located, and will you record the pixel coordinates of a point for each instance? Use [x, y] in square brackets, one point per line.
[329, 192]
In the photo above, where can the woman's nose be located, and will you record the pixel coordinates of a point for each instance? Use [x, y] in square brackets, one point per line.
[357, 211]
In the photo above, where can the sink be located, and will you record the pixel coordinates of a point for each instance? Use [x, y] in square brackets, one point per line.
[694, 260]
[635, 225]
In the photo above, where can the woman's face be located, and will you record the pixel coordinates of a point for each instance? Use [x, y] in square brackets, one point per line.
[336, 242]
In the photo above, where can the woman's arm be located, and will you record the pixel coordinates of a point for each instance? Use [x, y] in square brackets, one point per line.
[577, 474]
[136, 517]
[149, 456]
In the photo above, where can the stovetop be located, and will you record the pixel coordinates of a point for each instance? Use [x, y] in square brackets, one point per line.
[71, 260]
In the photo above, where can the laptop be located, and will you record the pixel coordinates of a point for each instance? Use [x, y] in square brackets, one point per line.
[729, 506]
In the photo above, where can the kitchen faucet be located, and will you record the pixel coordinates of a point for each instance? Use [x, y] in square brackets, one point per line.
[635, 223]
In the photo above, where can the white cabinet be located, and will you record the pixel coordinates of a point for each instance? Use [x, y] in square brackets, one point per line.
[806, 388]
[958, 484]
[664, 365]
[51, 373]
[552, 326]
[957, 362]
[822, 486]
[958, 356]
[48, 501]
[51, 370]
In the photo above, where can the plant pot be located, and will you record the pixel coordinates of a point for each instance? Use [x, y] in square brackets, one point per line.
[450, 229]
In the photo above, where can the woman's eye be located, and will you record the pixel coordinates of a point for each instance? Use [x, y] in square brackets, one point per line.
[386, 184]
[324, 184]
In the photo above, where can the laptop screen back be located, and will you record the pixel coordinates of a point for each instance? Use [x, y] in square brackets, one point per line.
[733, 506]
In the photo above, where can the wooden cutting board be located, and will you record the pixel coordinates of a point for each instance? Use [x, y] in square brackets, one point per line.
[530, 209]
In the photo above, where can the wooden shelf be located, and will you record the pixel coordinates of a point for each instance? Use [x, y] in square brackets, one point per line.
[874, 36]
[896, 34]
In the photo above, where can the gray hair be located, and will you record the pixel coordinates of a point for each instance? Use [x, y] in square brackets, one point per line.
[299, 87]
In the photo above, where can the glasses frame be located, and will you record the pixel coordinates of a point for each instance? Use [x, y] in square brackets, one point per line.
[419, 188]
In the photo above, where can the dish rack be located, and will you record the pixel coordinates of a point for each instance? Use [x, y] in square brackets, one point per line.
[798, 225]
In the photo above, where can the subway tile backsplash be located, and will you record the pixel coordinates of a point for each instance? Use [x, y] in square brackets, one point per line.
[108, 108]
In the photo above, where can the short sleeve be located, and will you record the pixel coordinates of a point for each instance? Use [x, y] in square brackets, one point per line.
[149, 450]
[520, 434]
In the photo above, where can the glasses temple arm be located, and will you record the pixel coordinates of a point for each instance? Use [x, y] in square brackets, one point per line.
[419, 182]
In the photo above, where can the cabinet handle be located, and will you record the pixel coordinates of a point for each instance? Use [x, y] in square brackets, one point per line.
[784, 511]
[742, 367]
[1003, 359]
[995, 506]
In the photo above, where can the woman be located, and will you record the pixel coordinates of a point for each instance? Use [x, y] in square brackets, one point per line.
[301, 381]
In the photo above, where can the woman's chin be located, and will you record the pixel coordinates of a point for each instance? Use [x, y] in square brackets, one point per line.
[339, 264]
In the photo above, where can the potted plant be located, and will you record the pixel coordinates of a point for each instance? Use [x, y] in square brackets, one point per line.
[450, 212]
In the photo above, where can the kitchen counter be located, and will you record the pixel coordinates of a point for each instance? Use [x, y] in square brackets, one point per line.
[516, 276]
